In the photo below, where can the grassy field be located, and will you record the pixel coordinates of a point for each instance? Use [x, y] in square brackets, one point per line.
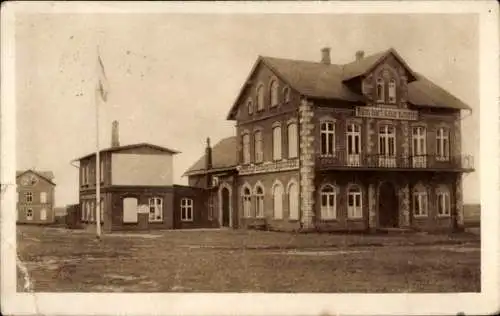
[60, 260]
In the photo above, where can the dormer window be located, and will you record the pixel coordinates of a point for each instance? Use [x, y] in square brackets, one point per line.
[380, 90]
[260, 98]
[392, 91]
[274, 93]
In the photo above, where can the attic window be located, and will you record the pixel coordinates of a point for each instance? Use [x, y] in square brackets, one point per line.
[392, 91]
[274, 93]
[380, 90]
[260, 98]
[286, 94]
[250, 106]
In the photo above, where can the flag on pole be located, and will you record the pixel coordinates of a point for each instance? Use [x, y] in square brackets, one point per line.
[102, 84]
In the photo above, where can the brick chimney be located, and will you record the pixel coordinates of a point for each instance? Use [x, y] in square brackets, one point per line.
[208, 163]
[115, 137]
[360, 55]
[325, 55]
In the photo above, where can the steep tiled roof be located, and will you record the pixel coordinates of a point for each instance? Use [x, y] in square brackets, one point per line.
[326, 81]
[223, 157]
[132, 146]
[47, 175]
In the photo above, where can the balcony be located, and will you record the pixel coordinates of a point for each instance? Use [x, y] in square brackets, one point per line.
[269, 166]
[342, 160]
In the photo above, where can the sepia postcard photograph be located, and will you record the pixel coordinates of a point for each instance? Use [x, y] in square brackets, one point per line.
[246, 158]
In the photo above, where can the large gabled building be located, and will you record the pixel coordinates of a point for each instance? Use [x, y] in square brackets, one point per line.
[363, 146]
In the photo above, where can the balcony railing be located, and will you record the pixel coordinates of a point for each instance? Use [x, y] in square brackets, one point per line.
[376, 161]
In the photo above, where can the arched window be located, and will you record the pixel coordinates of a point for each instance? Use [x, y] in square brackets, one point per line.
[278, 201]
[392, 91]
[328, 202]
[247, 202]
[327, 138]
[354, 202]
[286, 94]
[420, 201]
[250, 107]
[246, 148]
[292, 140]
[293, 201]
[258, 152]
[443, 201]
[274, 95]
[155, 209]
[259, 201]
[443, 144]
[260, 98]
[277, 142]
[380, 90]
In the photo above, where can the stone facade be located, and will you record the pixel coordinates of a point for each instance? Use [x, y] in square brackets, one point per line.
[307, 164]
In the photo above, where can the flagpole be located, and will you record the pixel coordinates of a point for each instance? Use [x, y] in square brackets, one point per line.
[97, 162]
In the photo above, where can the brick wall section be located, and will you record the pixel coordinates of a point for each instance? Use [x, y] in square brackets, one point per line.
[459, 202]
[404, 204]
[307, 164]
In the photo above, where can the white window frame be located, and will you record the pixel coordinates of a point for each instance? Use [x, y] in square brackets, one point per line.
[187, 210]
[43, 214]
[443, 203]
[277, 193]
[392, 91]
[259, 201]
[328, 211]
[419, 147]
[277, 143]
[155, 202]
[443, 144]
[355, 194]
[293, 201]
[274, 93]
[327, 130]
[386, 142]
[43, 197]
[246, 148]
[28, 216]
[353, 143]
[28, 197]
[292, 133]
[422, 208]
[258, 146]
[380, 91]
[247, 201]
[260, 97]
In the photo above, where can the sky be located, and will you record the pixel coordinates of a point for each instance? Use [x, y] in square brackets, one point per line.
[173, 78]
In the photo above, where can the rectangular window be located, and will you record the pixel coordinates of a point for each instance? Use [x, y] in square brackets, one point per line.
[246, 148]
[420, 204]
[327, 138]
[259, 154]
[292, 141]
[277, 143]
[354, 208]
[29, 197]
[186, 210]
[443, 144]
[443, 204]
[155, 209]
[43, 197]
[328, 205]
[130, 210]
[29, 214]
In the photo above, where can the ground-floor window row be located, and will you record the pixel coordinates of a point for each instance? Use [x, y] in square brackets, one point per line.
[29, 214]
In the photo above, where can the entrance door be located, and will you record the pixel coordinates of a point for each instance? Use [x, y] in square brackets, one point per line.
[225, 207]
[388, 208]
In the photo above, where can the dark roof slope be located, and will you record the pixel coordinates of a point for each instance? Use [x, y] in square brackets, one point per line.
[318, 80]
[47, 175]
[132, 146]
[223, 157]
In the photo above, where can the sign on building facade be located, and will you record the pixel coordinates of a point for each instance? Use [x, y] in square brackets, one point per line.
[386, 113]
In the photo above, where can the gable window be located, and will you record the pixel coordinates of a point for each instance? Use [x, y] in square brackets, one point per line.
[353, 144]
[260, 98]
[293, 201]
[419, 201]
[29, 197]
[247, 203]
[155, 209]
[387, 146]
[259, 154]
[419, 147]
[246, 148]
[286, 94]
[274, 93]
[292, 140]
[250, 107]
[354, 203]
[328, 202]
[392, 91]
[186, 210]
[442, 144]
[380, 90]
[259, 201]
[443, 201]
[327, 138]
[29, 214]
[278, 201]
[277, 143]
[43, 197]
